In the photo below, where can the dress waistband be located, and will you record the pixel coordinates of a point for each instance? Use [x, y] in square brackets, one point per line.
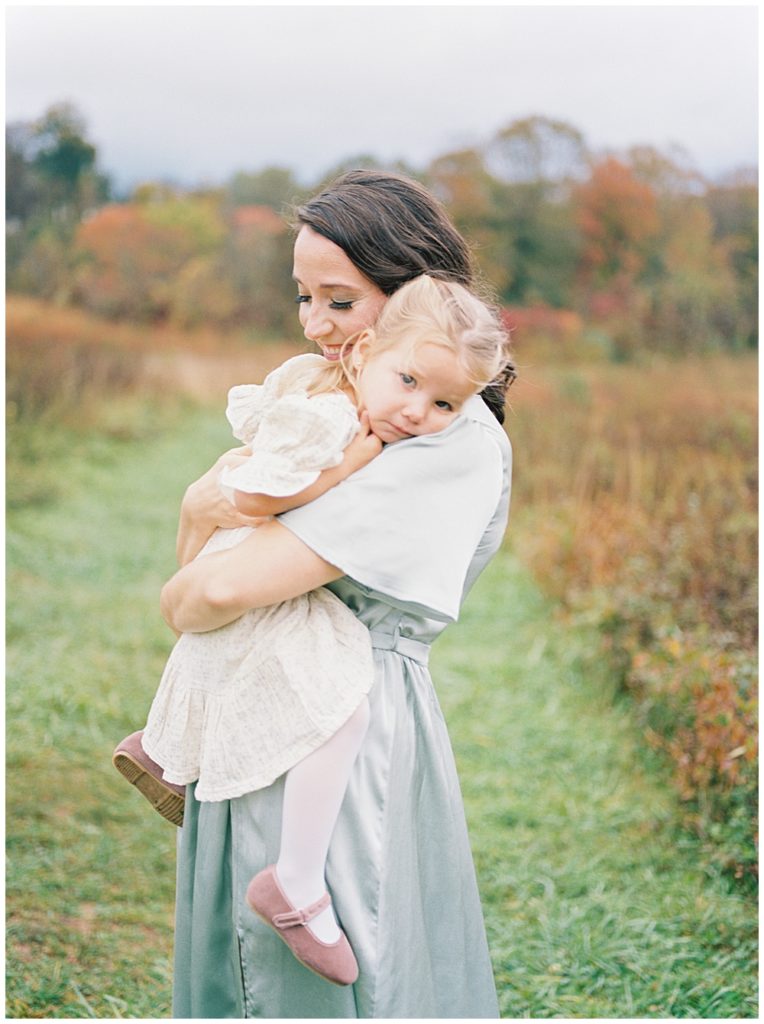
[405, 645]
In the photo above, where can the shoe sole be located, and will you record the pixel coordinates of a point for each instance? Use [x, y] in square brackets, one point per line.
[163, 800]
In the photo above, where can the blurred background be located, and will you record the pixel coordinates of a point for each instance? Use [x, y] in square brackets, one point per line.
[603, 162]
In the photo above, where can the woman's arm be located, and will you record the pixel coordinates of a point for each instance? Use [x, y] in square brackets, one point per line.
[362, 449]
[270, 566]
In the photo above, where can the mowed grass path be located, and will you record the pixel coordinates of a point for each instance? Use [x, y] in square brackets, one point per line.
[595, 905]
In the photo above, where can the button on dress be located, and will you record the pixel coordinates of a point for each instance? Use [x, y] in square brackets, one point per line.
[412, 530]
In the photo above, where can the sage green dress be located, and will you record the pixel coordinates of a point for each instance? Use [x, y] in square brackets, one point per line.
[412, 530]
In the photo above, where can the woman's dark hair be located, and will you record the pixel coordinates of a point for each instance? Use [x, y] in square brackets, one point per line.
[393, 230]
[390, 227]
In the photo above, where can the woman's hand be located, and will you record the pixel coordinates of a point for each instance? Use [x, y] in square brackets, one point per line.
[204, 508]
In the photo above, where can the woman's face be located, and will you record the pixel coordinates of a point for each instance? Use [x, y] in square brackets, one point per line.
[335, 299]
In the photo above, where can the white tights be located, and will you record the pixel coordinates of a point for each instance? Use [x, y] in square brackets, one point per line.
[313, 794]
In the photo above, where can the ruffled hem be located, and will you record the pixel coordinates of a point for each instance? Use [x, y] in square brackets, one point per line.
[238, 707]
[210, 792]
[266, 473]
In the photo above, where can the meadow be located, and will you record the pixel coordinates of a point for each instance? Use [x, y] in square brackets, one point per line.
[598, 689]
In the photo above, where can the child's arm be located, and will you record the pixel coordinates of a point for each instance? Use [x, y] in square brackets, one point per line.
[361, 450]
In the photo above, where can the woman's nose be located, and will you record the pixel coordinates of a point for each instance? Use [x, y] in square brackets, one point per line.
[317, 324]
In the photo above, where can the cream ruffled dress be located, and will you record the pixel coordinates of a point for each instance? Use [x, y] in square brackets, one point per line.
[238, 706]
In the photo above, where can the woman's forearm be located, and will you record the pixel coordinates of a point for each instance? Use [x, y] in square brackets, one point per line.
[193, 534]
[270, 566]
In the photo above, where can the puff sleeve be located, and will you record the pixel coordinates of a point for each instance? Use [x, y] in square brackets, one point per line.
[410, 524]
[292, 437]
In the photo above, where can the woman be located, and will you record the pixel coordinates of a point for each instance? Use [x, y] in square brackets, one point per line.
[400, 542]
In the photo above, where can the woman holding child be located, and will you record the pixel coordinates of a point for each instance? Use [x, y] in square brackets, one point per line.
[399, 542]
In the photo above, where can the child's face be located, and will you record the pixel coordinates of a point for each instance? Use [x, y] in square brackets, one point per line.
[407, 396]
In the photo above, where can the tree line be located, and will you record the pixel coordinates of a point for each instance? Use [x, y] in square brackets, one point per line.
[628, 251]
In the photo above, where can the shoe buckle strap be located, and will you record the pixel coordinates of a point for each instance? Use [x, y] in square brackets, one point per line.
[292, 918]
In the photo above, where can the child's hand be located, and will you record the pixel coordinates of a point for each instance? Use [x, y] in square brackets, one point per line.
[364, 447]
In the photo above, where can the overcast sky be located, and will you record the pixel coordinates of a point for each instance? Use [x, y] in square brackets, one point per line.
[195, 93]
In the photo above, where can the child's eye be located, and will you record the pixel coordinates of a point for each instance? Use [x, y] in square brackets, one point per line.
[302, 298]
[407, 379]
[446, 406]
[335, 304]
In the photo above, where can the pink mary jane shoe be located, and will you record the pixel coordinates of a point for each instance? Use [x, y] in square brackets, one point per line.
[132, 761]
[334, 961]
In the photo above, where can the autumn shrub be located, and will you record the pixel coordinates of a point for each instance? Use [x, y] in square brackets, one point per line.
[557, 334]
[245, 283]
[50, 371]
[636, 504]
[127, 256]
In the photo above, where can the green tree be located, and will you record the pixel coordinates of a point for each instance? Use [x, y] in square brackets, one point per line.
[275, 187]
[462, 183]
[533, 163]
[734, 208]
[63, 163]
[51, 181]
[538, 151]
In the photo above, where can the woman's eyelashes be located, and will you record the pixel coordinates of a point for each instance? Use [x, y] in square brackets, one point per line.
[334, 303]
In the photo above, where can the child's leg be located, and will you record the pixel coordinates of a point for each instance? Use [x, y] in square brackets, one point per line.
[313, 795]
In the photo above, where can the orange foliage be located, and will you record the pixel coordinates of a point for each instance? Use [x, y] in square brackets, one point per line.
[617, 215]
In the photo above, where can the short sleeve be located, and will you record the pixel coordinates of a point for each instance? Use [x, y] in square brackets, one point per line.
[248, 403]
[297, 437]
[408, 525]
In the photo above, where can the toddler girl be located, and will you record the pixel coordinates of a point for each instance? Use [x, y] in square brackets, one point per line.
[283, 689]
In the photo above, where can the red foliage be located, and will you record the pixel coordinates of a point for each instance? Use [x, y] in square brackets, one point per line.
[262, 218]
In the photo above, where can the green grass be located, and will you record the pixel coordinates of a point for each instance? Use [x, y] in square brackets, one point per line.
[596, 905]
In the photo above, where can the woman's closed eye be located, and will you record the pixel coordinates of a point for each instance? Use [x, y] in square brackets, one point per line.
[334, 303]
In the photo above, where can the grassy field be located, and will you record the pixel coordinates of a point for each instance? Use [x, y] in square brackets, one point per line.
[596, 904]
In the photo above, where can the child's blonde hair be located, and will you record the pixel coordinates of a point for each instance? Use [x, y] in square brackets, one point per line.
[429, 310]
[423, 311]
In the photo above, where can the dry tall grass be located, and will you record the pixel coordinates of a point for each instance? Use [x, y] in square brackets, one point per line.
[59, 358]
[636, 504]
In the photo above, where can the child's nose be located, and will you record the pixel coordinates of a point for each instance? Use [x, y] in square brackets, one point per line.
[415, 409]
